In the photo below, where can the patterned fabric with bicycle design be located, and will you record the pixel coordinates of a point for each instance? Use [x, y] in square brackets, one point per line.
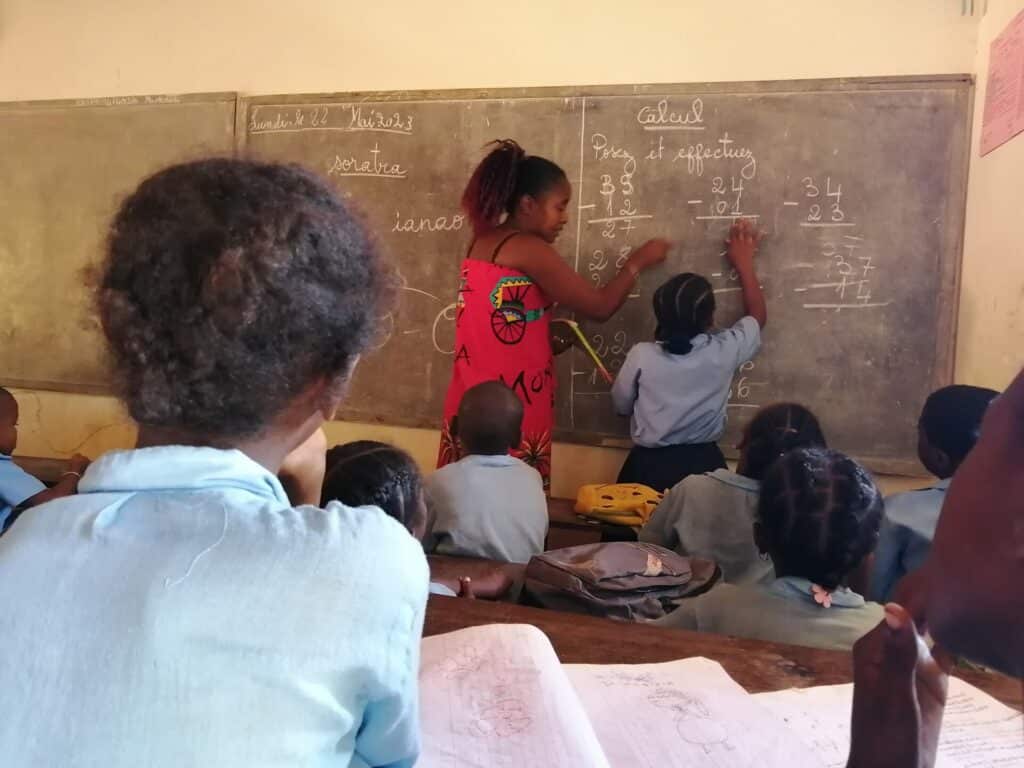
[502, 333]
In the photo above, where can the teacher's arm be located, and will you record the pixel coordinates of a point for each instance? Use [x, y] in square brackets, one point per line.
[542, 264]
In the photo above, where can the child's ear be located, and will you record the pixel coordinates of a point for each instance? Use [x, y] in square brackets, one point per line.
[944, 463]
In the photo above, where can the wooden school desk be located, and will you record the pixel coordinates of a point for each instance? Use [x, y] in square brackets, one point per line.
[756, 665]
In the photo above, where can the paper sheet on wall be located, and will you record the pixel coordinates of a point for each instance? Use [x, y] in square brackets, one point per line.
[497, 696]
[976, 731]
[1003, 117]
[682, 713]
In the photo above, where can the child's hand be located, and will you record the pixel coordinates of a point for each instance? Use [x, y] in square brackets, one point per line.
[742, 243]
[78, 464]
[651, 253]
[899, 691]
[466, 587]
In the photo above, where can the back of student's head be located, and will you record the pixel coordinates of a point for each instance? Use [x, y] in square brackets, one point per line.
[951, 422]
[775, 430]
[502, 179]
[684, 307]
[368, 473]
[490, 419]
[819, 515]
[229, 288]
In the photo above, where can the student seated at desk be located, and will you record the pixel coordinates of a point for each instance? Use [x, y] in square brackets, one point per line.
[818, 518]
[18, 489]
[712, 515]
[899, 688]
[949, 426]
[488, 504]
[180, 611]
[366, 473]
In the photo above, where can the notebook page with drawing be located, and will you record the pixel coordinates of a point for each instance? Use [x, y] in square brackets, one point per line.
[976, 730]
[682, 713]
[497, 696]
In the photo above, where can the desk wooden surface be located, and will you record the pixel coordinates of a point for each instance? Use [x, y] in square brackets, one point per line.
[755, 665]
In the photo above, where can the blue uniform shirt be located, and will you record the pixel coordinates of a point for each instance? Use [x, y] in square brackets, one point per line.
[180, 612]
[682, 399]
[16, 486]
[906, 537]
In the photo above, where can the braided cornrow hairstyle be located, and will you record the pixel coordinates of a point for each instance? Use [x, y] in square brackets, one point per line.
[684, 307]
[365, 472]
[821, 511]
[775, 430]
[503, 177]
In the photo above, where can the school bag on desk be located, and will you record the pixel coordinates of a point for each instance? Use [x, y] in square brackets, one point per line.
[618, 503]
[625, 580]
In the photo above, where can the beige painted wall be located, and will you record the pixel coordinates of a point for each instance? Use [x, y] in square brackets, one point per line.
[79, 48]
[990, 346]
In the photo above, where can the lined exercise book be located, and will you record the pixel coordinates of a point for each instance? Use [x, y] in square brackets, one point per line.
[977, 731]
[498, 696]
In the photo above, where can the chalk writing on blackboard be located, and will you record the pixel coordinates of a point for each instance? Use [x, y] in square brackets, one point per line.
[374, 165]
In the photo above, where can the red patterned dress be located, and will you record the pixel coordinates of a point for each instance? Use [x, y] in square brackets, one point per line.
[502, 332]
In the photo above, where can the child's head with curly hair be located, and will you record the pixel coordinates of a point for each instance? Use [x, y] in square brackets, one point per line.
[236, 297]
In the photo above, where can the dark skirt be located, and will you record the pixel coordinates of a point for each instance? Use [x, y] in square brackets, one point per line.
[662, 468]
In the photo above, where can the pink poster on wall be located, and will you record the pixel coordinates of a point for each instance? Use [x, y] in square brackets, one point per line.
[1004, 94]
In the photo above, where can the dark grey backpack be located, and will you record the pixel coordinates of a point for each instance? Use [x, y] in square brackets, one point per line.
[619, 580]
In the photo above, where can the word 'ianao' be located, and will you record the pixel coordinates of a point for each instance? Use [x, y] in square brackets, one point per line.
[374, 166]
[428, 223]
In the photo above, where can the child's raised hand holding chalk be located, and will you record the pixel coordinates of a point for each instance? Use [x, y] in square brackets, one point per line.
[742, 245]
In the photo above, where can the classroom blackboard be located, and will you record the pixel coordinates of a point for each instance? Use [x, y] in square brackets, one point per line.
[860, 185]
[65, 166]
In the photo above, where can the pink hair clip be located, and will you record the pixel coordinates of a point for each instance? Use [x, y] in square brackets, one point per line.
[821, 596]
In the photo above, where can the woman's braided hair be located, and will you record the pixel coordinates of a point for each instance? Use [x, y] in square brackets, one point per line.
[503, 177]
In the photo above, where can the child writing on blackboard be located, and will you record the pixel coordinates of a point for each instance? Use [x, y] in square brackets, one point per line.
[676, 389]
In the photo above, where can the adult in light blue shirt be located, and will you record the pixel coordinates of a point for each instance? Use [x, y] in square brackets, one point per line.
[676, 389]
[180, 611]
[947, 431]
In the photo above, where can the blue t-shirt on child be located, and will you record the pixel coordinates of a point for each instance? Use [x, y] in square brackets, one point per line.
[16, 487]
[682, 399]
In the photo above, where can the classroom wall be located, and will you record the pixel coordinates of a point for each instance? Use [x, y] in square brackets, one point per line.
[990, 345]
[109, 47]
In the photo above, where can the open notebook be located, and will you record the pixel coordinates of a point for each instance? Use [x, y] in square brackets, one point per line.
[498, 696]
[977, 731]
